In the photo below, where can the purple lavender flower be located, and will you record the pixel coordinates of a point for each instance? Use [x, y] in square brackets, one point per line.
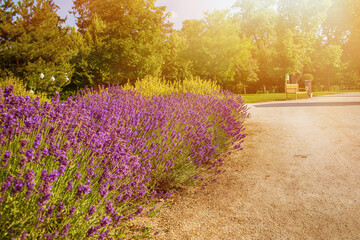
[40, 210]
[140, 209]
[53, 176]
[78, 175]
[23, 235]
[37, 141]
[92, 231]
[110, 209]
[6, 157]
[44, 175]
[8, 90]
[83, 190]
[61, 170]
[45, 152]
[44, 199]
[61, 207]
[127, 135]
[72, 210]
[91, 172]
[117, 218]
[18, 186]
[105, 221]
[168, 164]
[7, 184]
[40, 221]
[22, 163]
[92, 210]
[30, 191]
[103, 235]
[70, 185]
[30, 154]
[65, 230]
[50, 211]
[103, 191]
[55, 235]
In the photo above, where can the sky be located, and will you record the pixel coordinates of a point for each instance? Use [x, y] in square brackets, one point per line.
[181, 9]
[192, 9]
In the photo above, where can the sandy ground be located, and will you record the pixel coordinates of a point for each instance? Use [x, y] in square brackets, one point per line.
[298, 177]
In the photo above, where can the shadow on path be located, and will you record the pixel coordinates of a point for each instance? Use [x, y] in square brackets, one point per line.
[308, 104]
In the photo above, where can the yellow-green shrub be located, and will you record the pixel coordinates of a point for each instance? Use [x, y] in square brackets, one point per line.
[198, 85]
[20, 89]
[151, 86]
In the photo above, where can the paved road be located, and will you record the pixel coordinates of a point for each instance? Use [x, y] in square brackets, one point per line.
[310, 153]
[298, 177]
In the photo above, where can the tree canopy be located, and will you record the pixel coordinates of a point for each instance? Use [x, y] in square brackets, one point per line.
[34, 45]
[249, 47]
[125, 38]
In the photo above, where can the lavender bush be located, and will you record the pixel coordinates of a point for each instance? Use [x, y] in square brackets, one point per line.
[82, 167]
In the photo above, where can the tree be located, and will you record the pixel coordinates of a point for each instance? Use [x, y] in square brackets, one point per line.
[337, 59]
[258, 21]
[215, 47]
[246, 74]
[94, 53]
[299, 30]
[352, 46]
[7, 33]
[327, 65]
[128, 35]
[291, 56]
[176, 66]
[36, 48]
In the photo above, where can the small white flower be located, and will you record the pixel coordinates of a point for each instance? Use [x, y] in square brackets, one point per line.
[32, 91]
[52, 79]
[67, 77]
[42, 75]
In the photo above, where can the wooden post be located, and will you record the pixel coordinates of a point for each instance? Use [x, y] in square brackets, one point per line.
[286, 82]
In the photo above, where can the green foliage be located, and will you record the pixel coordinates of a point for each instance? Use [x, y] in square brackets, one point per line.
[94, 54]
[291, 56]
[258, 21]
[300, 36]
[33, 43]
[246, 49]
[328, 56]
[216, 47]
[307, 76]
[352, 47]
[122, 40]
[176, 66]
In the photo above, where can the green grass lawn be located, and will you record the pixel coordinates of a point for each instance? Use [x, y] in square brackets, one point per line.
[261, 97]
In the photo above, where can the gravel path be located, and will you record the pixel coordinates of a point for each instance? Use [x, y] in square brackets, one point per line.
[298, 177]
